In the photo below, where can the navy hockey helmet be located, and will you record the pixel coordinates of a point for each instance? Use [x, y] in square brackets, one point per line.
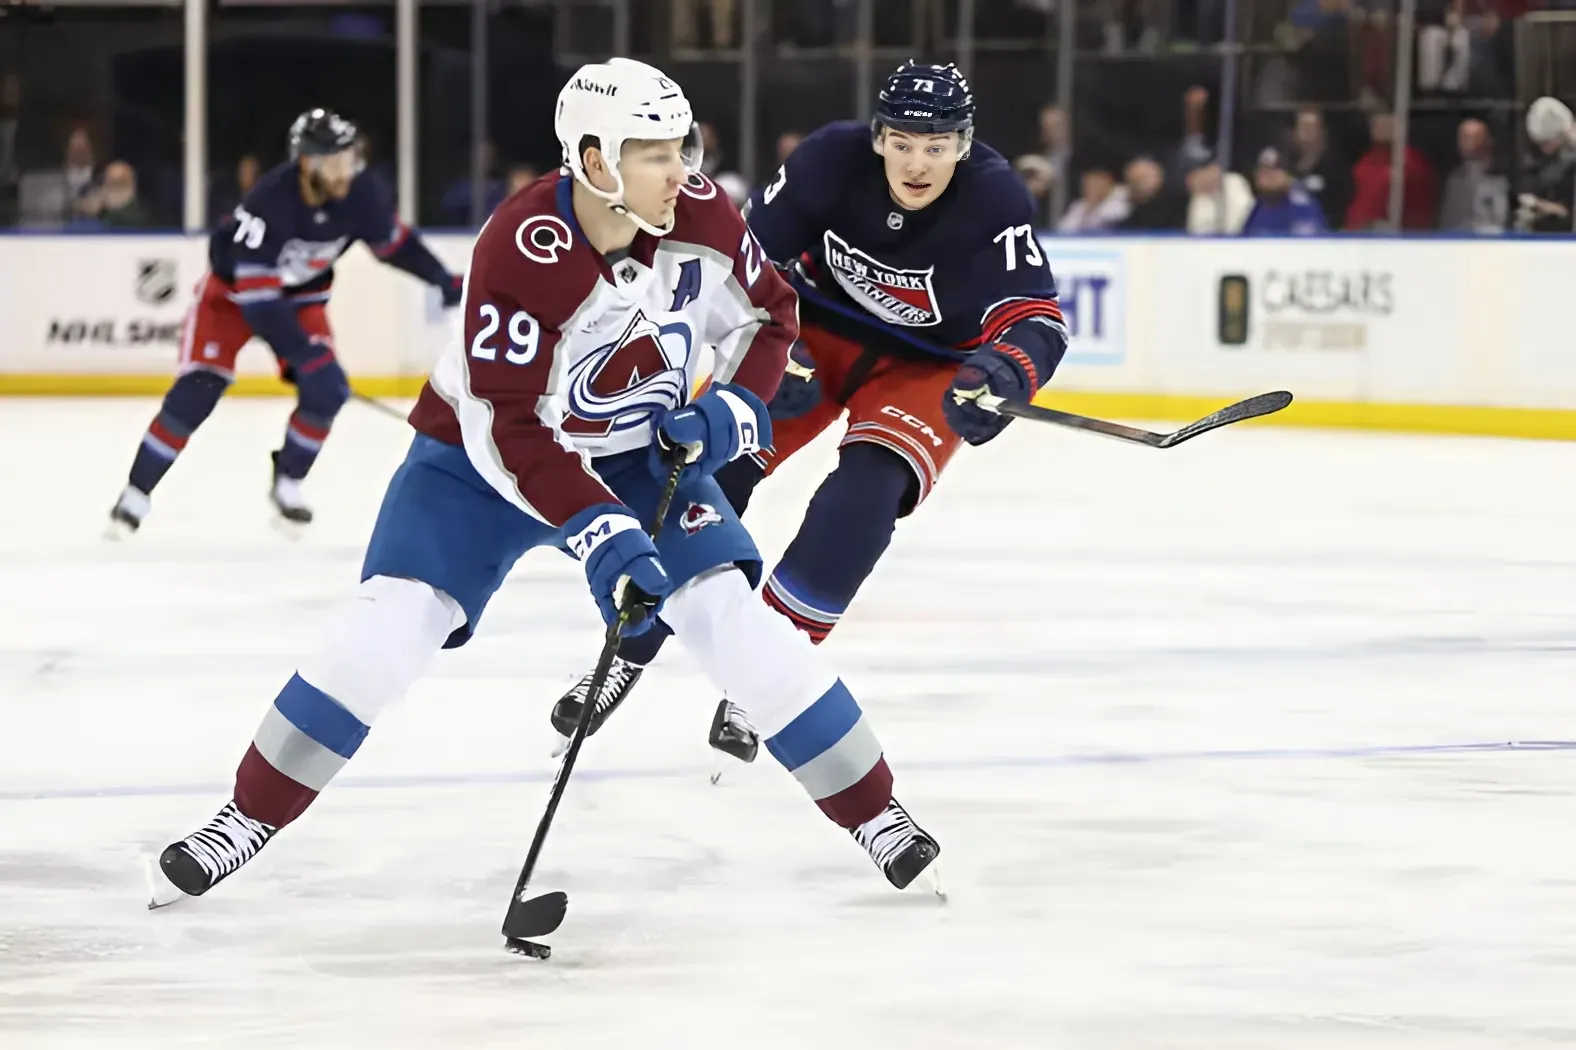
[927, 100]
[319, 132]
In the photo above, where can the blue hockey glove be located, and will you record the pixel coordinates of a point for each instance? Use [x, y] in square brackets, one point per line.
[453, 290]
[1000, 369]
[800, 390]
[721, 425]
[620, 561]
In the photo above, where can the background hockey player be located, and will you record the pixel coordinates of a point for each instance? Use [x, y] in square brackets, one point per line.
[912, 248]
[589, 299]
[271, 265]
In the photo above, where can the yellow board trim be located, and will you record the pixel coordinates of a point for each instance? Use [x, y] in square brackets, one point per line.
[22, 385]
[1545, 423]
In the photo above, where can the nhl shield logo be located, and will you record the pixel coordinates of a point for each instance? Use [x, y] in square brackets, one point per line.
[155, 281]
[697, 516]
[904, 297]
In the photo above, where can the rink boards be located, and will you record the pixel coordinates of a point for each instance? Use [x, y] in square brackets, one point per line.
[1430, 334]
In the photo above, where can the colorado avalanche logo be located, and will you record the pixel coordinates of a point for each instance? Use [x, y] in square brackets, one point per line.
[619, 385]
[697, 516]
[905, 297]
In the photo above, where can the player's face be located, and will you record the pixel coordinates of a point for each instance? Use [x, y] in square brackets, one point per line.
[652, 172]
[918, 167]
[332, 173]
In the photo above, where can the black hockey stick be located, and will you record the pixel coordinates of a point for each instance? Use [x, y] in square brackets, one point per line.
[1258, 405]
[540, 915]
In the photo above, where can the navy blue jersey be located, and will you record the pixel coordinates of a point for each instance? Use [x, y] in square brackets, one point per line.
[941, 281]
[275, 244]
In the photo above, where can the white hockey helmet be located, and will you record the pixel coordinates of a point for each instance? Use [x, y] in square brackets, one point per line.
[616, 101]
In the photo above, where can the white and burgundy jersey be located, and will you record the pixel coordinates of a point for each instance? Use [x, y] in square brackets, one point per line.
[569, 355]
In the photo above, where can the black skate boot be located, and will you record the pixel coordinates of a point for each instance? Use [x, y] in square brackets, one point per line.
[732, 734]
[621, 678]
[900, 848]
[125, 517]
[203, 859]
[286, 494]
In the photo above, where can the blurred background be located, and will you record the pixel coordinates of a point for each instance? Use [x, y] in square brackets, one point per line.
[1153, 115]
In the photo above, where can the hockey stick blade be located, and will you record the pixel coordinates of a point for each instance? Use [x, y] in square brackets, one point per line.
[1251, 408]
[536, 916]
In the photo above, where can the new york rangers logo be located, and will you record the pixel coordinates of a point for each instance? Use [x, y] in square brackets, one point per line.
[905, 297]
[697, 516]
[619, 385]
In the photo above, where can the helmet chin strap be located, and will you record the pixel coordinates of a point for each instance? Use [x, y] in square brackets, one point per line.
[615, 203]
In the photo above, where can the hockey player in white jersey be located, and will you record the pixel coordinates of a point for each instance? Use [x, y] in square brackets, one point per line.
[590, 297]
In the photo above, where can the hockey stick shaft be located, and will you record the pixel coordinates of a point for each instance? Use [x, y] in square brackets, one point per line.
[374, 403]
[1250, 408]
[566, 764]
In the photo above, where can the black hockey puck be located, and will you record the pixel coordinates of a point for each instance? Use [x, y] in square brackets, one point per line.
[530, 949]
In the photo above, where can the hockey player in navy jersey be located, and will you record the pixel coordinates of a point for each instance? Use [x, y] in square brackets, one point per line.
[271, 265]
[921, 286]
[590, 299]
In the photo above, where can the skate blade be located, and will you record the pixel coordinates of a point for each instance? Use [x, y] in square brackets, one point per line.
[930, 880]
[161, 891]
[290, 530]
[560, 745]
[118, 532]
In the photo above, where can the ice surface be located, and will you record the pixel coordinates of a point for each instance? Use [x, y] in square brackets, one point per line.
[1170, 714]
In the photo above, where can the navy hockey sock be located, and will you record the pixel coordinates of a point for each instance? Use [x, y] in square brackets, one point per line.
[738, 480]
[188, 403]
[324, 389]
[846, 529]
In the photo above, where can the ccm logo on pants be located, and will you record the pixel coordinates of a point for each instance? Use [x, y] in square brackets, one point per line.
[913, 421]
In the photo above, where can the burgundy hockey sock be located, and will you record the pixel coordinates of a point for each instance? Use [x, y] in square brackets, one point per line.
[188, 403]
[846, 529]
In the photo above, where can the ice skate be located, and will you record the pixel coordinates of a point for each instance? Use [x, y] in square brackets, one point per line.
[621, 678]
[203, 859]
[125, 517]
[732, 734]
[286, 494]
[901, 849]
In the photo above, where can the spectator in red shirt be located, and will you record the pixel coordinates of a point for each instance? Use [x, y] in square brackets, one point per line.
[1370, 207]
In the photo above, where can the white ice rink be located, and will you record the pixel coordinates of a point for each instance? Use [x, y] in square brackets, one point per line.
[1213, 740]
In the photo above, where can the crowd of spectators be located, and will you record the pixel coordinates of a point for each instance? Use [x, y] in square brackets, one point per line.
[1316, 156]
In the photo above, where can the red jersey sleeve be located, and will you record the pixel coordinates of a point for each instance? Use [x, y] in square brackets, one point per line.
[509, 421]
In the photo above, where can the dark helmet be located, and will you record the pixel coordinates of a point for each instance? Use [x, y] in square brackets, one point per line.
[318, 132]
[927, 100]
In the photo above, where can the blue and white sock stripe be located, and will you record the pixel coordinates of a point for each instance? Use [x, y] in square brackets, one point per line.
[310, 716]
[798, 600]
[829, 746]
[294, 753]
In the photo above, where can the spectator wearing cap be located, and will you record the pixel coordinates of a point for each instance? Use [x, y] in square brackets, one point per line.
[1283, 208]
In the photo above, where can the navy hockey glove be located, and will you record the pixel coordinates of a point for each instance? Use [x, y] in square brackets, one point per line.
[453, 290]
[800, 390]
[619, 560]
[718, 427]
[1000, 369]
